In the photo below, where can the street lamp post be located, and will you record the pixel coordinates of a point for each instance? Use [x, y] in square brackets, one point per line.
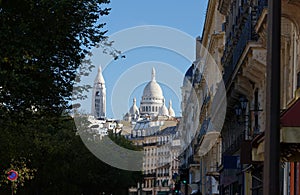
[272, 132]
[242, 110]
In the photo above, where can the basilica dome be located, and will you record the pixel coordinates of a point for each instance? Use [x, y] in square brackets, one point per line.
[152, 98]
[163, 111]
[134, 109]
[152, 89]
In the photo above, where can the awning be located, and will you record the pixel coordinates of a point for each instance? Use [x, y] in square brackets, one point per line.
[290, 124]
[291, 116]
[290, 131]
[289, 135]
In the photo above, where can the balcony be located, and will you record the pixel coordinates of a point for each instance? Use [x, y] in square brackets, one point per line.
[203, 130]
[262, 4]
[206, 138]
[235, 145]
[243, 34]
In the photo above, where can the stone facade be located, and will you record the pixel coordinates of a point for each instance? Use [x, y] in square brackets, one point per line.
[161, 146]
[235, 35]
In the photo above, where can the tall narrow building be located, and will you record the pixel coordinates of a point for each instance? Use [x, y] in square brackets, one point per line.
[99, 96]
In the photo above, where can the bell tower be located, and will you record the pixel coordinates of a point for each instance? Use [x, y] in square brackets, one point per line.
[99, 96]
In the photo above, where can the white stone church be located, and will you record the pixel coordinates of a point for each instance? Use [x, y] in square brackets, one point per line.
[152, 103]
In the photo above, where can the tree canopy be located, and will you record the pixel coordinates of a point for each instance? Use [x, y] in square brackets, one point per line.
[43, 46]
[43, 43]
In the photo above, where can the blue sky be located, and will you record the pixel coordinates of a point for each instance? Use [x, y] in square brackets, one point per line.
[125, 78]
[187, 16]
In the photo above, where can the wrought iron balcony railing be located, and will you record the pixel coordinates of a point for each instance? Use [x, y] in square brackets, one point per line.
[234, 145]
[203, 130]
[246, 34]
[262, 4]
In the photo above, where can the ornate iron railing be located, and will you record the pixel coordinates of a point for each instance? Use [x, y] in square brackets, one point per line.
[262, 4]
[241, 40]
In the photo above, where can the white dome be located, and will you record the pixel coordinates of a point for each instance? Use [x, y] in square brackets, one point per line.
[153, 89]
[134, 109]
[171, 111]
[163, 111]
[152, 98]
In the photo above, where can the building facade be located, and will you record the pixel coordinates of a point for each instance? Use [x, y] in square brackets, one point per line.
[244, 61]
[235, 34]
[201, 105]
[161, 146]
[155, 130]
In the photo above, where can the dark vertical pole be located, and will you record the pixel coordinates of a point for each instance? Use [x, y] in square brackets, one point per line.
[272, 133]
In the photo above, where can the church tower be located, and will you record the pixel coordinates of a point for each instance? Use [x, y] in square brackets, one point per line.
[99, 96]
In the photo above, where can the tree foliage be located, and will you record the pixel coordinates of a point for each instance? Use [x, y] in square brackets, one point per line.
[62, 162]
[43, 45]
